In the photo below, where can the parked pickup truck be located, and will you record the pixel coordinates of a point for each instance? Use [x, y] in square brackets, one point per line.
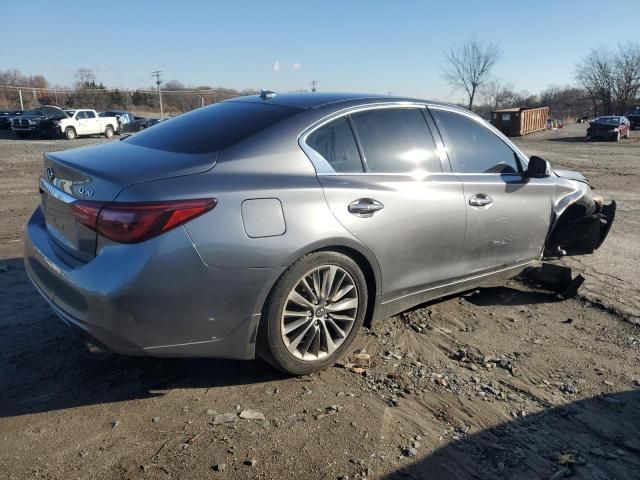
[28, 123]
[77, 123]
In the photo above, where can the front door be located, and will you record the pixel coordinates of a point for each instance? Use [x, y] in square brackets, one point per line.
[388, 189]
[508, 215]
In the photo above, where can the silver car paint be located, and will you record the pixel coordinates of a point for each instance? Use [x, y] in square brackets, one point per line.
[199, 290]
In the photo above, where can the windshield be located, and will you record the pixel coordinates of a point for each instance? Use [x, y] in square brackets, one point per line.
[608, 120]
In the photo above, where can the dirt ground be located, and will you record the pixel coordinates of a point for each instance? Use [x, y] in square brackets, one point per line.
[508, 381]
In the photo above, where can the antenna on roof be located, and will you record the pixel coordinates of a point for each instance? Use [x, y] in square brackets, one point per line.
[264, 94]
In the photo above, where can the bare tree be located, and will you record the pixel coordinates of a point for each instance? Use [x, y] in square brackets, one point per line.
[469, 66]
[626, 76]
[84, 77]
[611, 78]
[497, 95]
[595, 74]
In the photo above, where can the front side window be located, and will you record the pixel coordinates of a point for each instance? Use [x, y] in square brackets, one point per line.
[472, 147]
[336, 144]
[81, 115]
[396, 140]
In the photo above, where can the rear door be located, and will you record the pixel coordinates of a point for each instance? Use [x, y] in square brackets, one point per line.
[508, 215]
[383, 179]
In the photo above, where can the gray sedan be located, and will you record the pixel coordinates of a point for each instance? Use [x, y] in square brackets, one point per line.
[278, 225]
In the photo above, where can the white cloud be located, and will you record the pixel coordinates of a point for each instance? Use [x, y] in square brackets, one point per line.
[297, 66]
[276, 66]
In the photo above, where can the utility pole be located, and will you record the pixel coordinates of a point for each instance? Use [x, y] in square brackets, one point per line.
[314, 83]
[21, 104]
[158, 74]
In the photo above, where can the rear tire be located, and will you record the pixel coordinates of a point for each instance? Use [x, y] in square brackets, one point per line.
[108, 131]
[70, 133]
[330, 332]
[617, 138]
[628, 135]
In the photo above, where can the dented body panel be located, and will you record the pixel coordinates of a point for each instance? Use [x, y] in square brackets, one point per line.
[581, 220]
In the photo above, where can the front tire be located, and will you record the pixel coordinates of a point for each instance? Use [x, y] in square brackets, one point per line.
[70, 133]
[313, 313]
[617, 137]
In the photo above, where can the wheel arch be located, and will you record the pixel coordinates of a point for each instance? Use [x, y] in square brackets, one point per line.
[358, 252]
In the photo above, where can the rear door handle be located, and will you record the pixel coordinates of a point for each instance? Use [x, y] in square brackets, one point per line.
[480, 200]
[365, 207]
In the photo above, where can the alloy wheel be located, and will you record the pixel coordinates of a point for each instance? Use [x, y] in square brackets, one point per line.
[319, 313]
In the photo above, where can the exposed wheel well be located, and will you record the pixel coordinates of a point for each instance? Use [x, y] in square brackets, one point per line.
[562, 229]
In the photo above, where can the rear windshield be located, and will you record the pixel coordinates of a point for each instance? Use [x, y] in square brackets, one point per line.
[211, 128]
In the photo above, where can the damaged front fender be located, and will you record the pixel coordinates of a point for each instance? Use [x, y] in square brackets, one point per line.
[581, 221]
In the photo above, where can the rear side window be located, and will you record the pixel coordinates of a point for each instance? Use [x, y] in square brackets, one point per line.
[396, 140]
[336, 144]
[212, 128]
[90, 114]
[472, 147]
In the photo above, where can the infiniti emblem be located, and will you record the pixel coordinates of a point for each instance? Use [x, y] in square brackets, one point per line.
[50, 174]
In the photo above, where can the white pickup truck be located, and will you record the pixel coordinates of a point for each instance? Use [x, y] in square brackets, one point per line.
[79, 122]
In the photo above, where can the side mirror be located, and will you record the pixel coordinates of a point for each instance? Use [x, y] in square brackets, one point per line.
[538, 168]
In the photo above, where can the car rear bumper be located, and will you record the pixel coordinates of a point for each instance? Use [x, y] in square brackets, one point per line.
[155, 298]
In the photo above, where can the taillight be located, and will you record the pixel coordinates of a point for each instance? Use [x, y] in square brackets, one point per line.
[137, 222]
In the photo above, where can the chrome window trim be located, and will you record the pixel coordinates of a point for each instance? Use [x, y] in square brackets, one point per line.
[524, 160]
[323, 167]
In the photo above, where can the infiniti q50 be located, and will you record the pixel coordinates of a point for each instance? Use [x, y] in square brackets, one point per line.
[277, 225]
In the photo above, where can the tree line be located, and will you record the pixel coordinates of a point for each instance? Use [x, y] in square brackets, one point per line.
[608, 82]
[87, 91]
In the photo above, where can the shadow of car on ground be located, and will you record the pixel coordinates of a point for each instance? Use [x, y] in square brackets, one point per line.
[596, 438]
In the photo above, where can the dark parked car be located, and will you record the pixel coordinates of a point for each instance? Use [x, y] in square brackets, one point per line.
[6, 116]
[634, 118]
[28, 123]
[609, 128]
[278, 225]
[125, 119]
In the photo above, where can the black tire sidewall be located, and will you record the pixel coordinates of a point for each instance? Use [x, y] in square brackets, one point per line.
[272, 347]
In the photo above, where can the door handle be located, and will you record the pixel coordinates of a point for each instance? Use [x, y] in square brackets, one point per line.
[480, 200]
[365, 207]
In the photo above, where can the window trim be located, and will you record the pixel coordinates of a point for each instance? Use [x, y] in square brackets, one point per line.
[521, 158]
[323, 167]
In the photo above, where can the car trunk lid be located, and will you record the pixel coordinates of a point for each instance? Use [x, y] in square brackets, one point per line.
[99, 173]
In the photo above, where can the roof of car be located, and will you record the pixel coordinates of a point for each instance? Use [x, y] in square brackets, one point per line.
[307, 101]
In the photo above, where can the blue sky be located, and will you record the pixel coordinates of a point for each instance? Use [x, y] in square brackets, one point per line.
[364, 46]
